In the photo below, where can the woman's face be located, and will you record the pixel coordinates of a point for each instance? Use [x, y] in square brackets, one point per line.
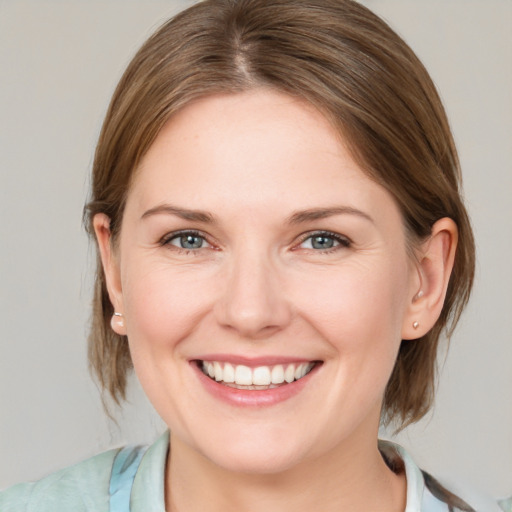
[254, 248]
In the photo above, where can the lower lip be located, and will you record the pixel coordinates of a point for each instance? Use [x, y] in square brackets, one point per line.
[253, 397]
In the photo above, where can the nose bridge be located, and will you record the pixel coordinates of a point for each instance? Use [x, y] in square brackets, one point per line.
[254, 303]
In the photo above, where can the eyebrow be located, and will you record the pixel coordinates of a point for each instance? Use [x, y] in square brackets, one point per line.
[183, 213]
[296, 218]
[322, 213]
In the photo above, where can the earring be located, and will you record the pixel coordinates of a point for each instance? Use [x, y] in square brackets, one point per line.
[117, 322]
[415, 325]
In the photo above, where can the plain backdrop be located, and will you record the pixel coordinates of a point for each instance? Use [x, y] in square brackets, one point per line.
[59, 63]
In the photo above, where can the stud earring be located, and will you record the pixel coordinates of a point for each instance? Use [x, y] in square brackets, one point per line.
[117, 322]
[415, 325]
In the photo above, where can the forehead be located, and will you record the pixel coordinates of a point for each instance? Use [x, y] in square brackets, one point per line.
[252, 150]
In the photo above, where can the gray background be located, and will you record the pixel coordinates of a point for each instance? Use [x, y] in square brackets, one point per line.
[59, 63]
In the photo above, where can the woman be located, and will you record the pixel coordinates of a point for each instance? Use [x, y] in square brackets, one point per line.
[281, 238]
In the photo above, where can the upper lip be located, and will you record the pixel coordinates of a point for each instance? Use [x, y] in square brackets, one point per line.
[253, 362]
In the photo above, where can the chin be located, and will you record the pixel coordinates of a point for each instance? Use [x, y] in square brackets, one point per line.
[254, 455]
[260, 462]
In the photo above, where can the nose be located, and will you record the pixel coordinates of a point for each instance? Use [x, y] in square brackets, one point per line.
[253, 302]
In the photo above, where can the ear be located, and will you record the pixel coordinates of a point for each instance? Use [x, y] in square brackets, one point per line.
[434, 267]
[110, 262]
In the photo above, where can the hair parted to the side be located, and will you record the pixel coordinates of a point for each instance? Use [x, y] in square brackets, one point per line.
[352, 67]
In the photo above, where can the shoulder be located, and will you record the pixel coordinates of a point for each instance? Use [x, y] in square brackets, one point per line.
[82, 487]
[462, 497]
[133, 474]
[426, 494]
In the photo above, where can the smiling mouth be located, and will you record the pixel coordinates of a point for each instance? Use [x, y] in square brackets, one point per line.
[258, 378]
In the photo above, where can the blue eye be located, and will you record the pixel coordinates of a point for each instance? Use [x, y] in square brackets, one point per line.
[187, 241]
[324, 241]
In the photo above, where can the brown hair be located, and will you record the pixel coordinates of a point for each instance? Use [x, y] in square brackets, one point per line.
[362, 76]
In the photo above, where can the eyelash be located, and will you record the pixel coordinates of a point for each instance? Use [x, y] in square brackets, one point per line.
[342, 241]
[167, 239]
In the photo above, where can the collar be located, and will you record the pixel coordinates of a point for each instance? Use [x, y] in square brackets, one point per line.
[148, 492]
[400, 458]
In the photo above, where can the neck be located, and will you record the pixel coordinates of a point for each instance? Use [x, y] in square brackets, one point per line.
[350, 477]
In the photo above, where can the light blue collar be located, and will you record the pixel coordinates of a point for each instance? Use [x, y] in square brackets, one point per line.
[137, 480]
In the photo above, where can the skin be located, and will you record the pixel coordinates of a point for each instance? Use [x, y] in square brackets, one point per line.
[256, 287]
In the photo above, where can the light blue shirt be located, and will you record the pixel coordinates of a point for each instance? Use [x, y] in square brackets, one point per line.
[132, 480]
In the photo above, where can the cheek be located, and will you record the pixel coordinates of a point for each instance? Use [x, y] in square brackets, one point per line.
[359, 309]
[163, 305]
[163, 308]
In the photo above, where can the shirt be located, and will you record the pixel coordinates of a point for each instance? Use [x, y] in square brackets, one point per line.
[132, 480]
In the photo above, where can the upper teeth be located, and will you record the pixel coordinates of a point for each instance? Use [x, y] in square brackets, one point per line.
[259, 376]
